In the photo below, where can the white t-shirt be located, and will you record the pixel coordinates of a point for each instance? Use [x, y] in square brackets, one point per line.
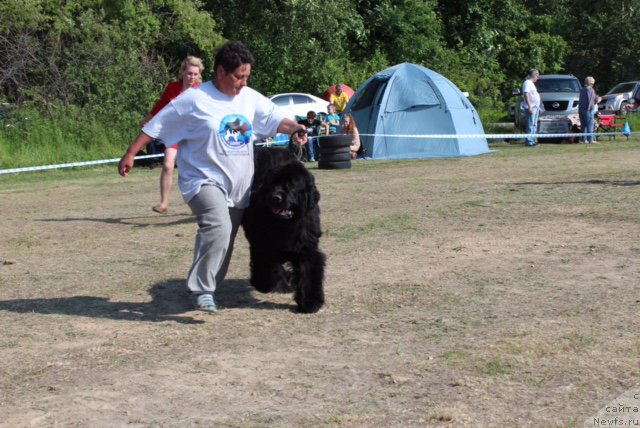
[215, 133]
[530, 87]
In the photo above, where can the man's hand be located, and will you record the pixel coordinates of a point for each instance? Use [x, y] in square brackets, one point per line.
[300, 137]
[288, 126]
[125, 165]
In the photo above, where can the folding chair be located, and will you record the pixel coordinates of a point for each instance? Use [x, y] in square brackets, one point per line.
[609, 123]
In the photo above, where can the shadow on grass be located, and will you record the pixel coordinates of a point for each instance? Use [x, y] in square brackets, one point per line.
[170, 301]
[139, 221]
[609, 182]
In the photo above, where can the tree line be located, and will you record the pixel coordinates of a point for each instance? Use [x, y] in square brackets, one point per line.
[110, 59]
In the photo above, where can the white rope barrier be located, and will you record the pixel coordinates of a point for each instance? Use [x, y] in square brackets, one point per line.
[71, 165]
[419, 136]
[495, 136]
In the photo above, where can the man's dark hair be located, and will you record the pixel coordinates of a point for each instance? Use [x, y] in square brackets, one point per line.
[232, 55]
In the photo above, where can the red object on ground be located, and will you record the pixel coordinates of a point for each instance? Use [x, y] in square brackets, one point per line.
[346, 89]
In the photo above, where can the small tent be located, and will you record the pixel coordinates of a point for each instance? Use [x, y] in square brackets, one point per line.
[397, 109]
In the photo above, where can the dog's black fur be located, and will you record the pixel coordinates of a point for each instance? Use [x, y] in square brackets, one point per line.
[282, 225]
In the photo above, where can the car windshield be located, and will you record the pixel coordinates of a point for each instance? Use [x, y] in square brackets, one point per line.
[622, 87]
[281, 101]
[558, 85]
[301, 99]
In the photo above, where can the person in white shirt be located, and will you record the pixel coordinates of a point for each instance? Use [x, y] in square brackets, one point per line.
[215, 125]
[531, 105]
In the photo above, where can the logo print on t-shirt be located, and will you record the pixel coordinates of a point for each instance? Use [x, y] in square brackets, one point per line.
[235, 131]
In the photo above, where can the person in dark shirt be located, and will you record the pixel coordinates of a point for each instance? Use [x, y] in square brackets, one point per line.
[314, 129]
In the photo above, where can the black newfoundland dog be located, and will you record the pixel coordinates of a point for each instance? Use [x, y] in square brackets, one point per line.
[282, 225]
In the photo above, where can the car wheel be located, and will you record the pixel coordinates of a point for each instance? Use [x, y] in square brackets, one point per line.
[623, 109]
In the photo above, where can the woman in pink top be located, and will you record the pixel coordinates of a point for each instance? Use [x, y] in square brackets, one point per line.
[191, 76]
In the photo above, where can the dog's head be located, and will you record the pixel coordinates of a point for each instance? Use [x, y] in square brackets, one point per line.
[290, 191]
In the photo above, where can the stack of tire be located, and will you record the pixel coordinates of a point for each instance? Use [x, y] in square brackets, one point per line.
[335, 151]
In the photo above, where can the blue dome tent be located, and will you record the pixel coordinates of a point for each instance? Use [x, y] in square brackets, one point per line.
[408, 99]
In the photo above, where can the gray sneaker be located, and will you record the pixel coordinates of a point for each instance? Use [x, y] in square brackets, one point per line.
[205, 302]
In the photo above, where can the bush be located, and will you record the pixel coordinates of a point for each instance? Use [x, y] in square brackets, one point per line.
[28, 138]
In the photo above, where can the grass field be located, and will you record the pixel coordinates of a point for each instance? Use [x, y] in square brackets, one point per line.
[495, 291]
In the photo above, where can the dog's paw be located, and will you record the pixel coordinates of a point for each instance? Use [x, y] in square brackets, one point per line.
[310, 307]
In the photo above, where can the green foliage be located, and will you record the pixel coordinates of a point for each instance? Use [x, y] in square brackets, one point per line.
[603, 39]
[496, 42]
[28, 138]
[109, 58]
[408, 31]
[634, 121]
[105, 62]
[298, 46]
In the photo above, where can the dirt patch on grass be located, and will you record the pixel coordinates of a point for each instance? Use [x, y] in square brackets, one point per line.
[500, 290]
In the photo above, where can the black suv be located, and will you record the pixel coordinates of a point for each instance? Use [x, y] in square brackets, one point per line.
[559, 94]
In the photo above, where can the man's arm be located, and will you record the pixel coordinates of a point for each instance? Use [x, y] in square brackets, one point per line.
[288, 126]
[126, 163]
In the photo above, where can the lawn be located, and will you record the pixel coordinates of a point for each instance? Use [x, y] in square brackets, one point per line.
[492, 291]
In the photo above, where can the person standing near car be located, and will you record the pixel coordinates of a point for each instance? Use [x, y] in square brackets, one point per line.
[215, 125]
[587, 102]
[531, 106]
[339, 98]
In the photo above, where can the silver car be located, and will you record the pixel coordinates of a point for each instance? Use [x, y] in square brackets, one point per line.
[559, 94]
[618, 97]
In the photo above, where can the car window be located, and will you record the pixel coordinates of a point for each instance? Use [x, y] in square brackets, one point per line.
[282, 100]
[622, 87]
[558, 85]
[301, 99]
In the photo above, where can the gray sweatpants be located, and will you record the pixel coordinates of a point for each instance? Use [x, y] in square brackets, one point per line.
[217, 228]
